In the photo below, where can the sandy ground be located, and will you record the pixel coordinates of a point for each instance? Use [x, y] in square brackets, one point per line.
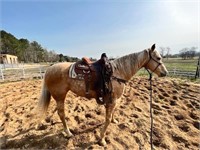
[176, 111]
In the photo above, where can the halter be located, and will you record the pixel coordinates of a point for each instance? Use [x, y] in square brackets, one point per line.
[151, 58]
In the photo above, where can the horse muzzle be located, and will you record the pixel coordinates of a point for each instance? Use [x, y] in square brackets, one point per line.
[163, 74]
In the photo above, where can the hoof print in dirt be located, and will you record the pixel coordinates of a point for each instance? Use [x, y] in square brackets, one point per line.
[48, 120]
[41, 127]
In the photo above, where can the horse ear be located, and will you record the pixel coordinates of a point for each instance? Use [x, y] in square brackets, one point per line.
[153, 47]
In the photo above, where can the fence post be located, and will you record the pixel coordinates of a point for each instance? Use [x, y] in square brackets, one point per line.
[174, 70]
[2, 76]
[40, 68]
[198, 69]
[23, 72]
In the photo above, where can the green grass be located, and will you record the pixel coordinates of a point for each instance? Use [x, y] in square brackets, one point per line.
[180, 64]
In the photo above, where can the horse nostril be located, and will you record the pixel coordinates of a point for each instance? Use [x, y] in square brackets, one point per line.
[163, 74]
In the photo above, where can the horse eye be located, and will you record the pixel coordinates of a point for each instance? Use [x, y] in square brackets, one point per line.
[159, 58]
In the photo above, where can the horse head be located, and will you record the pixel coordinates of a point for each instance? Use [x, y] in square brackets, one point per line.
[154, 62]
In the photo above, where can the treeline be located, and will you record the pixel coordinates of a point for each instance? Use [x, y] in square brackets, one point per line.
[185, 53]
[27, 51]
[188, 53]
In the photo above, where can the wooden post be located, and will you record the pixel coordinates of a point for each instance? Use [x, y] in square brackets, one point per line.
[174, 71]
[198, 69]
[2, 76]
[40, 68]
[23, 72]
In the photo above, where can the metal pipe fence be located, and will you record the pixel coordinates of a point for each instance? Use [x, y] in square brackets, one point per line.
[22, 71]
[15, 72]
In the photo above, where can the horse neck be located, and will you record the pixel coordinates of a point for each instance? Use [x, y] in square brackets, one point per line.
[125, 67]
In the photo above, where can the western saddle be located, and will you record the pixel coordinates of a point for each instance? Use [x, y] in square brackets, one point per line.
[97, 76]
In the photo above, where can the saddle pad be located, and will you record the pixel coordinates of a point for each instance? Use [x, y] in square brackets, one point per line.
[72, 73]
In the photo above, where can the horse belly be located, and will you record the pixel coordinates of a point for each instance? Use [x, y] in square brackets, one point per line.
[78, 87]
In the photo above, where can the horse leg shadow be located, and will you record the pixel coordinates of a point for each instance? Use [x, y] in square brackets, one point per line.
[42, 123]
[83, 139]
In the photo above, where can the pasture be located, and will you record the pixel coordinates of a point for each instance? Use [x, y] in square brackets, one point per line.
[185, 65]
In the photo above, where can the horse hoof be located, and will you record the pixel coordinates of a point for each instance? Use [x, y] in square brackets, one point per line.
[102, 142]
[67, 135]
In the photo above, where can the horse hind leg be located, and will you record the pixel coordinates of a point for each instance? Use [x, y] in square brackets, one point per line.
[113, 120]
[109, 112]
[61, 113]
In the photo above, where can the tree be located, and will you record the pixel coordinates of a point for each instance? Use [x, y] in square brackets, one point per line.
[37, 52]
[183, 53]
[9, 43]
[61, 58]
[188, 53]
[67, 58]
[45, 55]
[52, 56]
[168, 50]
[1, 46]
[192, 52]
[162, 51]
[22, 48]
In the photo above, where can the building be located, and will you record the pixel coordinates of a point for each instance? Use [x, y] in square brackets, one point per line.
[8, 59]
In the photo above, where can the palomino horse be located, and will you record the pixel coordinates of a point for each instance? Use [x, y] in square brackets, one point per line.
[57, 83]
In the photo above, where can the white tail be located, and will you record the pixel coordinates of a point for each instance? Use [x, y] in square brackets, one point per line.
[44, 100]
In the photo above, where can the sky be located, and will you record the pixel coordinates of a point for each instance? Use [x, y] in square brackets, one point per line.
[90, 27]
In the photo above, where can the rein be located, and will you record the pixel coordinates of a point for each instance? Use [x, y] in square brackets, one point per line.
[151, 114]
[150, 94]
[118, 79]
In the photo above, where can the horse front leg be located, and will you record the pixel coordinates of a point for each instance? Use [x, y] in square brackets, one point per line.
[109, 111]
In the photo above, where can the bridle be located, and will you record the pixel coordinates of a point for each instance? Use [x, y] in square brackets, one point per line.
[151, 58]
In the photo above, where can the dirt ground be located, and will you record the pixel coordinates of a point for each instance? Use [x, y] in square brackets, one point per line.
[176, 111]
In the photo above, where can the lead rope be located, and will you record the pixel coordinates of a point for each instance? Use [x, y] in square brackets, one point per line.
[151, 114]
